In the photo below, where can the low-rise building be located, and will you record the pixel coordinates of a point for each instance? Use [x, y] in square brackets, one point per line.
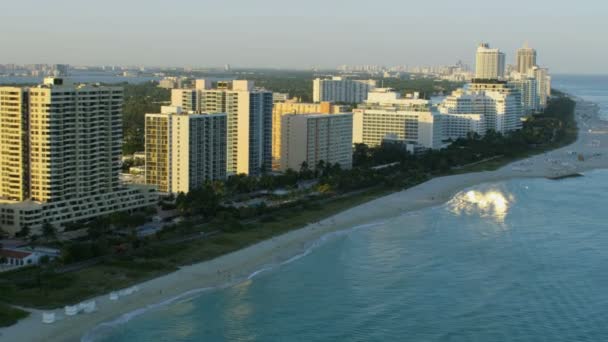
[341, 90]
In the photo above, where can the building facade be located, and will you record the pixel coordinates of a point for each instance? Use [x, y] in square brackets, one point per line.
[183, 151]
[73, 141]
[528, 89]
[292, 107]
[312, 138]
[385, 113]
[499, 104]
[341, 90]
[543, 81]
[249, 115]
[14, 158]
[489, 63]
[526, 59]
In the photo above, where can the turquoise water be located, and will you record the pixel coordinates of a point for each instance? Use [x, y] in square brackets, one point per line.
[523, 260]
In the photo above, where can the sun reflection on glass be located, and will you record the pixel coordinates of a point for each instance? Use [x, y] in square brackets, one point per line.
[492, 203]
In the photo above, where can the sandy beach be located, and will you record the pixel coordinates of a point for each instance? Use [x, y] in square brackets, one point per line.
[592, 144]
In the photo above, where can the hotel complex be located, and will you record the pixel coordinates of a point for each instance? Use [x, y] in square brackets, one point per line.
[61, 152]
[183, 151]
[312, 138]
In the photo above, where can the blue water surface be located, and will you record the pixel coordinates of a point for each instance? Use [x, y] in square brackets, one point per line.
[523, 260]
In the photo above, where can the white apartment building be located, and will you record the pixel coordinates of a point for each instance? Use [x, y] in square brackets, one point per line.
[460, 125]
[386, 114]
[183, 151]
[528, 89]
[249, 115]
[499, 105]
[543, 81]
[312, 138]
[341, 90]
[70, 152]
[489, 63]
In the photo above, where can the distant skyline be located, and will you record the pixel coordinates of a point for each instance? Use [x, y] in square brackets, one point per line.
[301, 34]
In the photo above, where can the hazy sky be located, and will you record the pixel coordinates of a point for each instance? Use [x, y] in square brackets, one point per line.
[570, 36]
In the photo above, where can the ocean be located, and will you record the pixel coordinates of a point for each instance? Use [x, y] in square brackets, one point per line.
[520, 260]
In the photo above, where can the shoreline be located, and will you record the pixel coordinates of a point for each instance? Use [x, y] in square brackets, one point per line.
[243, 264]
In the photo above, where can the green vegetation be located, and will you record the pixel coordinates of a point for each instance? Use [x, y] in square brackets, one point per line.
[210, 227]
[299, 83]
[140, 99]
[10, 315]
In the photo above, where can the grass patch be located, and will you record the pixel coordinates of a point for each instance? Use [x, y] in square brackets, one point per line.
[10, 315]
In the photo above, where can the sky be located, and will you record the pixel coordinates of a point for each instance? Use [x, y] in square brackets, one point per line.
[570, 36]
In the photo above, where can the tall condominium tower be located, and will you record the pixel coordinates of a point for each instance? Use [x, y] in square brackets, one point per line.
[183, 151]
[489, 63]
[526, 59]
[341, 90]
[14, 158]
[249, 115]
[70, 152]
[543, 80]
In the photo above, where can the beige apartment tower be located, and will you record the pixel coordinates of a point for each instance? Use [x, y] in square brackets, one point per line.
[69, 153]
[280, 109]
[526, 59]
[14, 157]
[489, 63]
[312, 138]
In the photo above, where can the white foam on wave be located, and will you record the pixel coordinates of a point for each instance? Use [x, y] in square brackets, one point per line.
[94, 333]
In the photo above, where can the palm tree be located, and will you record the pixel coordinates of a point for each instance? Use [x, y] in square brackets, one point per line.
[48, 231]
[24, 232]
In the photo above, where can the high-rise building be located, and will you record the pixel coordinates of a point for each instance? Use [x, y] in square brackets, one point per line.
[526, 59]
[292, 107]
[183, 151]
[341, 90]
[249, 115]
[543, 80]
[185, 98]
[500, 105]
[70, 153]
[528, 87]
[489, 63]
[14, 158]
[312, 138]
[386, 114]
